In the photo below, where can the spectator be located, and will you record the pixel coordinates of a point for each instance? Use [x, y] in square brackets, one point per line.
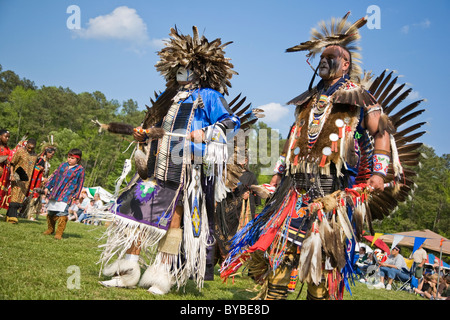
[444, 288]
[81, 205]
[86, 212]
[363, 262]
[424, 288]
[420, 257]
[98, 204]
[73, 210]
[64, 184]
[363, 257]
[95, 203]
[437, 268]
[391, 269]
[44, 201]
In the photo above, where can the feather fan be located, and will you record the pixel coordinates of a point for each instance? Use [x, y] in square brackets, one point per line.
[390, 95]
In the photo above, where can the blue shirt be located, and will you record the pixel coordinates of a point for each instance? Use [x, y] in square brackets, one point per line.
[214, 109]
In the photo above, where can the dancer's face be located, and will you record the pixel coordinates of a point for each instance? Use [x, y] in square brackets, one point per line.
[4, 138]
[184, 75]
[334, 63]
[72, 160]
[50, 154]
[30, 147]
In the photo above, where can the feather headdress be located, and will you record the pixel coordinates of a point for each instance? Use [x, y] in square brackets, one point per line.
[206, 59]
[336, 32]
[50, 144]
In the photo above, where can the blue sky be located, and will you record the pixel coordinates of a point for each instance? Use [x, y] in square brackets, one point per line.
[412, 38]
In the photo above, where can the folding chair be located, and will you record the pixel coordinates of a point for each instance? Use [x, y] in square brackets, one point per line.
[406, 278]
[364, 273]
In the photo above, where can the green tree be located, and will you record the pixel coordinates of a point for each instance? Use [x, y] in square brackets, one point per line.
[263, 155]
[9, 80]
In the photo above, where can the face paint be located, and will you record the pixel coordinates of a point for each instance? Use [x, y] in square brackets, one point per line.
[184, 75]
[335, 68]
[331, 63]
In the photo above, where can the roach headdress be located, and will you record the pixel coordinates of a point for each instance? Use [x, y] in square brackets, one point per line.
[49, 145]
[336, 32]
[206, 59]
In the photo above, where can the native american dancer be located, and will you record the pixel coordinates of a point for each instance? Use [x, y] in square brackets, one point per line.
[164, 217]
[22, 164]
[5, 192]
[342, 153]
[5, 158]
[235, 211]
[33, 202]
[63, 185]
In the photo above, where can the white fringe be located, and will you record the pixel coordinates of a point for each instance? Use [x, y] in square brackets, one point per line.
[122, 233]
[216, 157]
[194, 247]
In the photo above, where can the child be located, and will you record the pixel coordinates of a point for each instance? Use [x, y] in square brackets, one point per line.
[73, 210]
[64, 184]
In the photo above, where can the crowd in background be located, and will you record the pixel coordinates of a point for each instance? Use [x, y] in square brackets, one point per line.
[380, 270]
[28, 188]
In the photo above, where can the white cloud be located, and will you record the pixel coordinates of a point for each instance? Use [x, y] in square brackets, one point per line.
[426, 23]
[122, 24]
[274, 112]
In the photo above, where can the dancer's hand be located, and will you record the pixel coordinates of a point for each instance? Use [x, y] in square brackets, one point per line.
[275, 181]
[139, 136]
[197, 136]
[376, 182]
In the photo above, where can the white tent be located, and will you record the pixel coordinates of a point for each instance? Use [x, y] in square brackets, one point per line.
[360, 244]
[105, 195]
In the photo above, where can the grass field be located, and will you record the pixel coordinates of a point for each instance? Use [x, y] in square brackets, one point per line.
[38, 267]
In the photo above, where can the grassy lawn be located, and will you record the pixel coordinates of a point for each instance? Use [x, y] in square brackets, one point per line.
[38, 267]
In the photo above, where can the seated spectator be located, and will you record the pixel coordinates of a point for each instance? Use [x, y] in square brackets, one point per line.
[362, 263]
[98, 204]
[362, 259]
[427, 286]
[93, 204]
[44, 202]
[370, 261]
[86, 212]
[84, 202]
[444, 288]
[73, 210]
[437, 269]
[391, 269]
[424, 286]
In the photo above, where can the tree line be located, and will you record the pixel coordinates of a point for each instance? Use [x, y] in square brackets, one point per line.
[48, 111]
[26, 110]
